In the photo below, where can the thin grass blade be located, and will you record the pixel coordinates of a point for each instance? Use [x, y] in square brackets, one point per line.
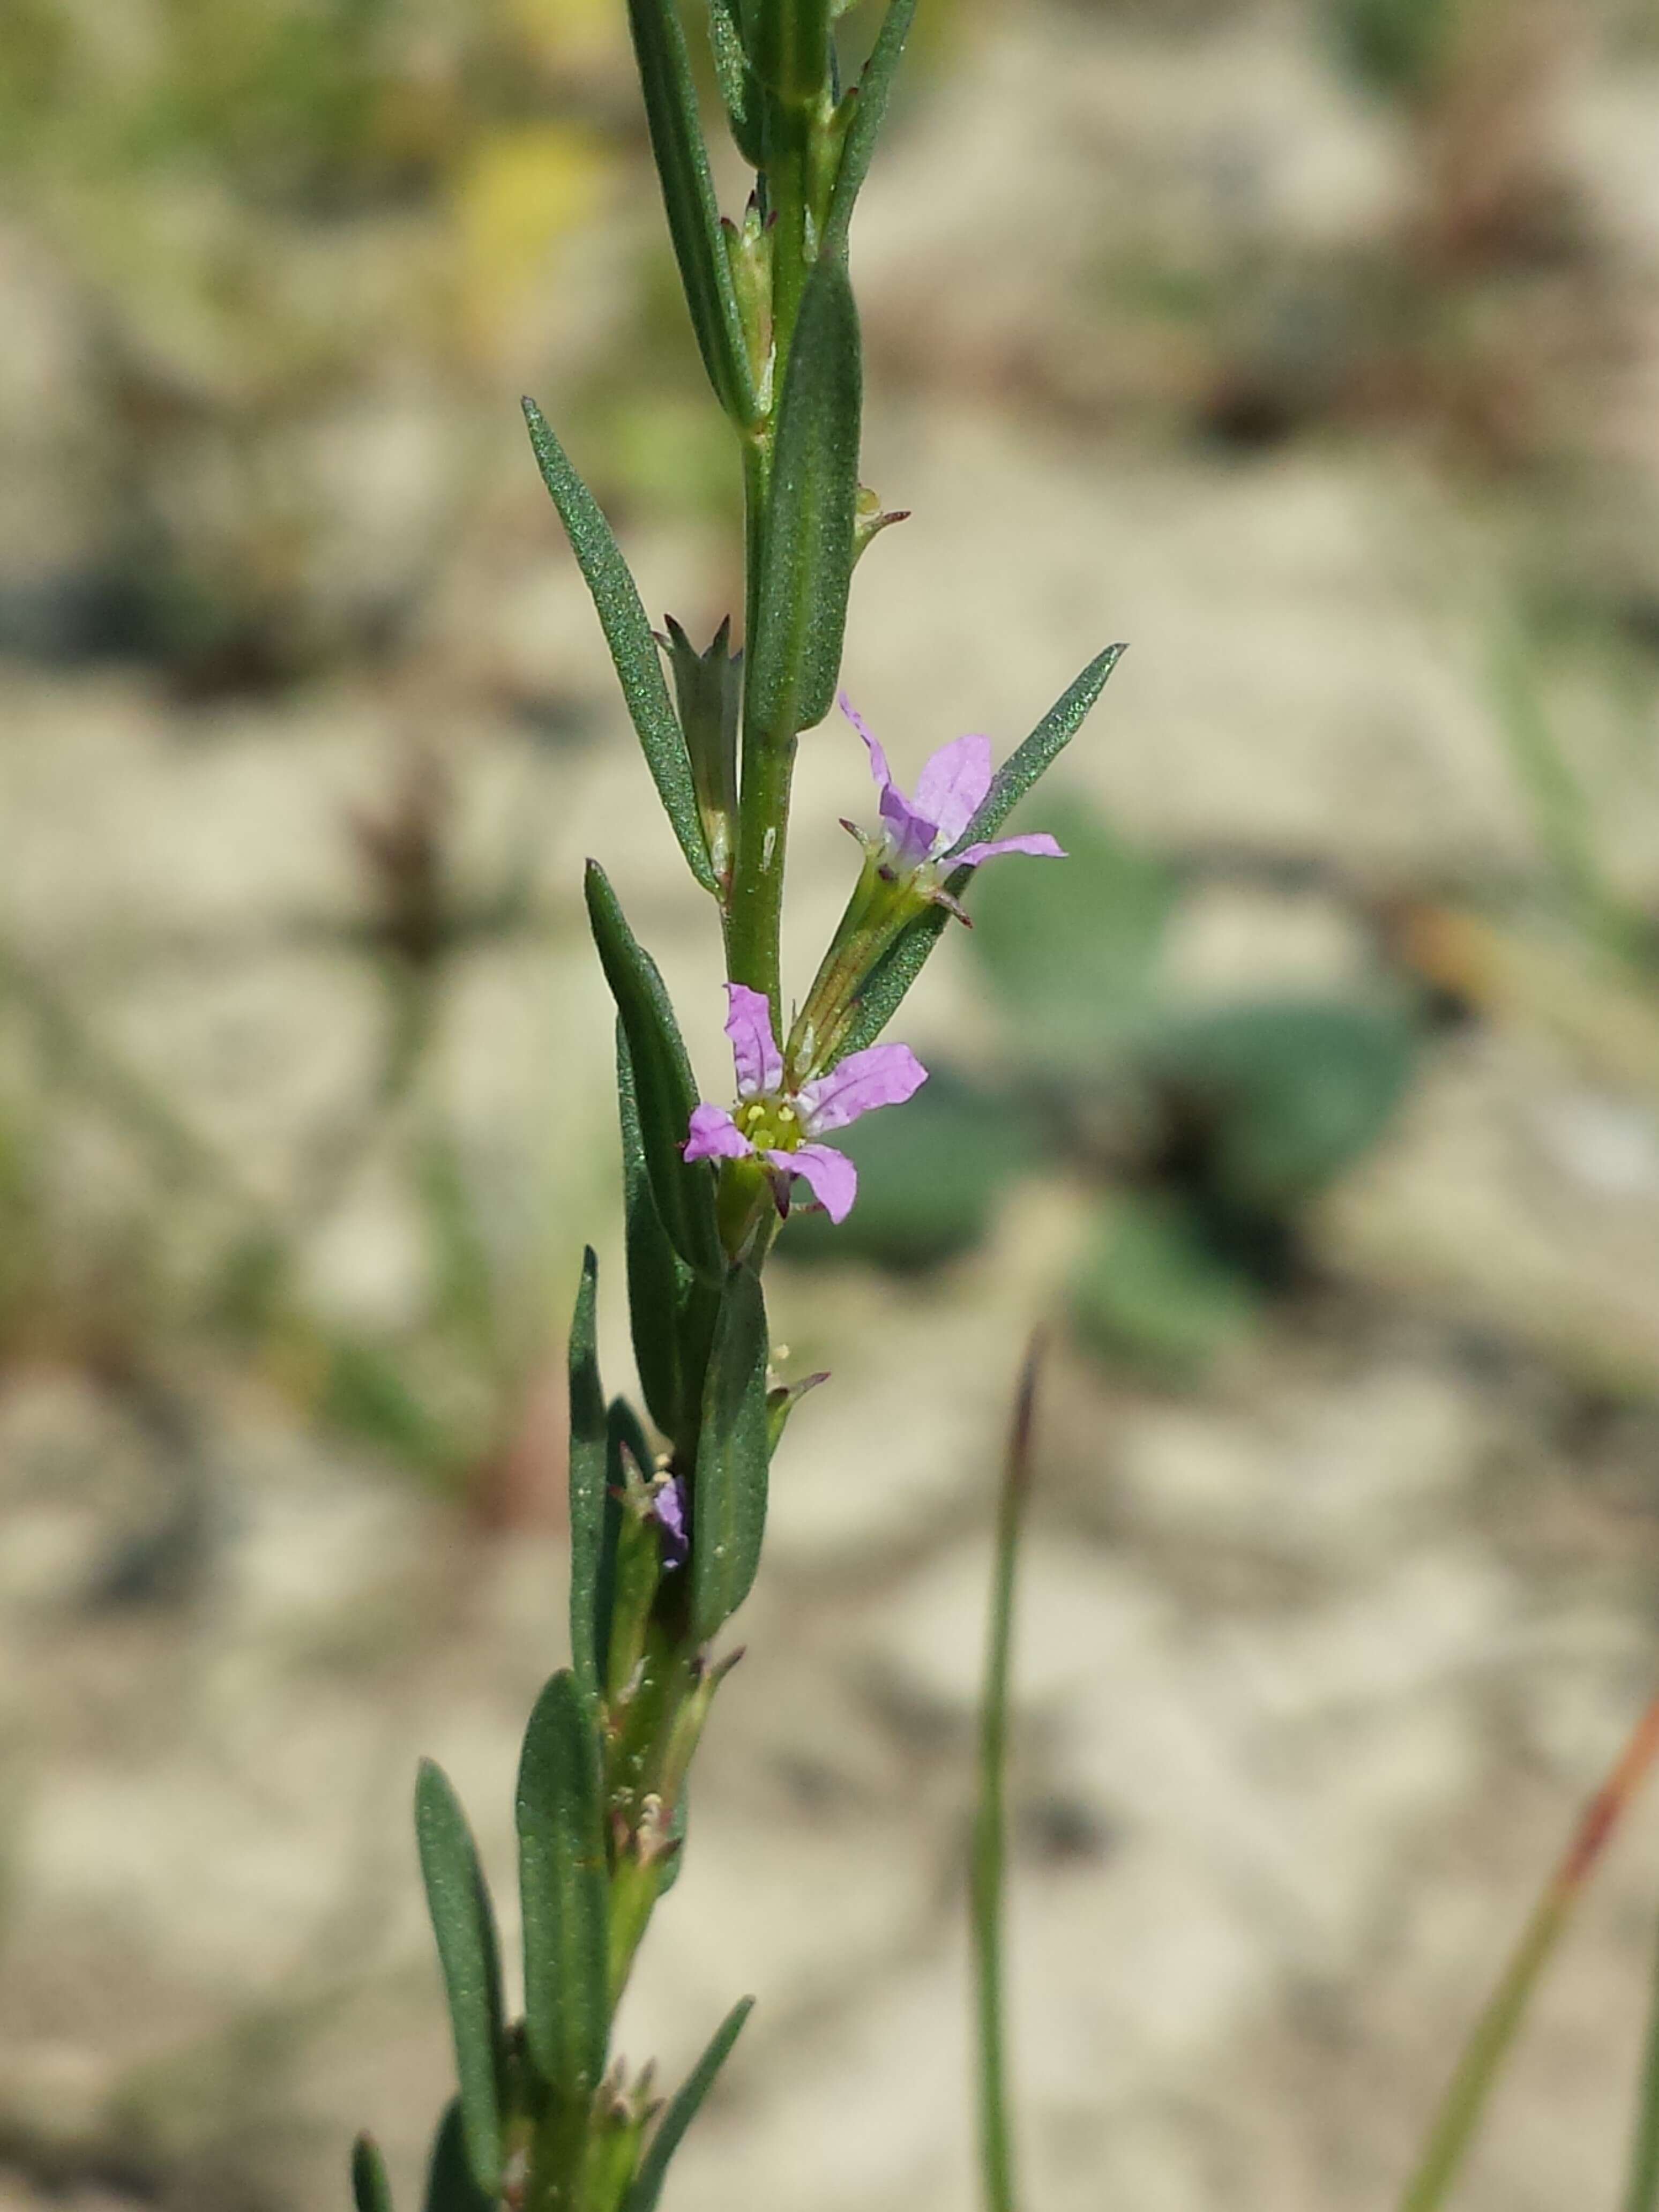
[1489, 2044]
[990, 1810]
[1643, 2193]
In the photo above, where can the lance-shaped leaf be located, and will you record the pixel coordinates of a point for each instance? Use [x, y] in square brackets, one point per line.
[807, 554]
[670, 2129]
[588, 1484]
[450, 2186]
[468, 1951]
[869, 98]
[627, 634]
[658, 1279]
[728, 1516]
[893, 976]
[664, 1092]
[734, 74]
[371, 2191]
[687, 191]
[562, 1889]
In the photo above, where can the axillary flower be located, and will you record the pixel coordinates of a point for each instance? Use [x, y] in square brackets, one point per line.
[919, 833]
[780, 1127]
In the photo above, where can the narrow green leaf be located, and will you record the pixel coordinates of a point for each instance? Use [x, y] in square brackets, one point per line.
[688, 192]
[627, 634]
[657, 1278]
[670, 2129]
[663, 1091]
[880, 998]
[808, 550]
[1040, 750]
[562, 1887]
[587, 1482]
[371, 2191]
[869, 97]
[1642, 2193]
[729, 1515]
[450, 2186]
[735, 76]
[468, 1951]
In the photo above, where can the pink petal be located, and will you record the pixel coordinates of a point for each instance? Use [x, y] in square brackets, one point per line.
[829, 1175]
[951, 787]
[913, 834]
[714, 1136]
[754, 1048]
[881, 1075]
[1038, 842]
[879, 766]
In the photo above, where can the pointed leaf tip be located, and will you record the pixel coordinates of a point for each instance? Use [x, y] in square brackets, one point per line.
[628, 635]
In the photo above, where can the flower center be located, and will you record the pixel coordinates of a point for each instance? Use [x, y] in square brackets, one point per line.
[772, 1124]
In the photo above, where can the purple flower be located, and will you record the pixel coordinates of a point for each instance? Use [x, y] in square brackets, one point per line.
[781, 1126]
[949, 790]
[668, 1510]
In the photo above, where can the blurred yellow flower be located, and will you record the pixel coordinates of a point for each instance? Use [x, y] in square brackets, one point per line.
[522, 190]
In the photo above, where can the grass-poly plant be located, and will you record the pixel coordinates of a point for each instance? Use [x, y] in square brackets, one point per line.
[668, 1501]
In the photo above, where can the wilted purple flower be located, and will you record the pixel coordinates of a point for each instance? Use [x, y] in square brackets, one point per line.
[781, 1126]
[949, 790]
[668, 1510]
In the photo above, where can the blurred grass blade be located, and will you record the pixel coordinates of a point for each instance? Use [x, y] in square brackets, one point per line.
[728, 1514]
[588, 1484]
[807, 553]
[1643, 2193]
[450, 2186]
[653, 2167]
[467, 1950]
[563, 1885]
[1477, 2071]
[881, 997]
[990, 1810]
[628, 634]
[370, 2189]
[869, 99]
[664, 1092]
[687, 191]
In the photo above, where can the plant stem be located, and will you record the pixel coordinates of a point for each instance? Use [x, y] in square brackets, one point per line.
[754, 917]
[990, 1815]
[1477, 2071]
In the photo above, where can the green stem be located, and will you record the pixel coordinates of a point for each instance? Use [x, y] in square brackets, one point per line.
[753, 916]
[990, 1814]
